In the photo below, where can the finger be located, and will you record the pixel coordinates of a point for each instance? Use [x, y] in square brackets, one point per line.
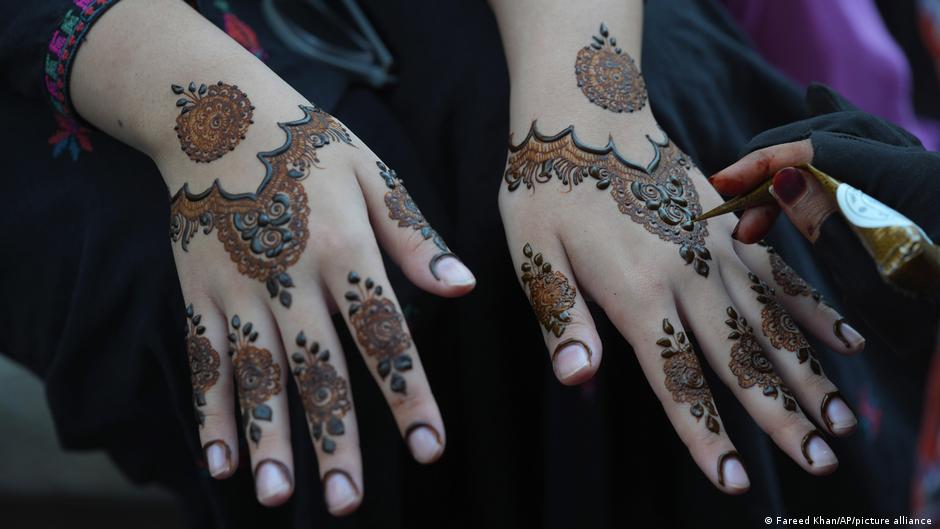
[735, 354]
[407, 236]
[803, 199]
[375, 320]
[319, 370]
[755, 223]
[673, 370]
[567, 326]
[211, 375]
[260, 376]
[788, 350]
[800, 300]
[758, 166]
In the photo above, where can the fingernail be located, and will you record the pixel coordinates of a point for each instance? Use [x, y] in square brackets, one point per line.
[342, 496]
[272, 482]
[451, 271]
[218, 458]
[424, 442]
[846, 334]
[731, 472]
[836, 413]
[571, 357]
[816, 452]
[789, 185]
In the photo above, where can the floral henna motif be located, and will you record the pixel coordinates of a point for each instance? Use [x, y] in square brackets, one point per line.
[608, 77]
[264, 232]
[212, 120]
[750, 364]
[660, 196]
[549, 292]
[380, 330]
[203, 361]
[787, 278]
[780, 328]
[684, 377]
[402, 208]
[257, 376]
[324, 392]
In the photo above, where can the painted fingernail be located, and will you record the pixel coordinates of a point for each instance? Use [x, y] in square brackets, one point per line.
[816, 452]
[571, 358]
[452, 272]
[849, 337]
[731, 472]
[424, 442]
[218, 458]
[838, 417]
[789, 185]
[272, 482]
[342, 495]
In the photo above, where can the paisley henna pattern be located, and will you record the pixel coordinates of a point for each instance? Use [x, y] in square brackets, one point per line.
[203, 361]
[660, 196]
[608, 77]
[789, 281]
[264, 232]
[549, 292]
[380, 330]
[257, 376]
[324, 392]
[750, 364]
[212, 120]
[780, 328]
[684, 377]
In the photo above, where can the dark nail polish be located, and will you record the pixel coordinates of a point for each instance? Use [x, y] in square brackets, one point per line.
[789, 185]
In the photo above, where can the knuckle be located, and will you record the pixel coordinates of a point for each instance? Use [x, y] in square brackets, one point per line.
[406, 405]
[342, 240]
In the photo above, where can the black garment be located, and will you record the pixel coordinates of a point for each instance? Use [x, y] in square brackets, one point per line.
[92, 304]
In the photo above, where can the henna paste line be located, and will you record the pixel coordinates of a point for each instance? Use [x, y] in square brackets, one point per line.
[608, 77]
[837, 330]
[212, 119]
[780, 328]
[550, 294]
[685, 379]
[325, 394]
[380, 330]
[827, 398]
[402, 208]
[204, 361]
[721, 464]
[568, 342]
[264, 232]
[750, 364]
[257, 376]
[804, 444]
[287, 475]
[329, 473]
[660, 196]
[419, 424]
[225, 447]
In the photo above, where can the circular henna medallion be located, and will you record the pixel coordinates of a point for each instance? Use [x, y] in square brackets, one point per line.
[212, 120]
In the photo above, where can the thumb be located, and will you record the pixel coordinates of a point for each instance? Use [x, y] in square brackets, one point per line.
[803, 199]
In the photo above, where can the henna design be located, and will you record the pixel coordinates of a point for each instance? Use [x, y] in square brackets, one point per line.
[750, 364]
[550, 293]
[264, 232]
[402, 207]
[780, 328]
[203, 361]
[257, 376]
[212, 120]
[324, 392]
[380, 330]
[684, 377]
[660, 196]
[787, 278]
[608, 77]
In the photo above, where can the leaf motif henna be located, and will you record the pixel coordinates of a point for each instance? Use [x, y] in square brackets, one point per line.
[203, 361]
[257, 376]
[212, 119]
[264, 232]
[380, 330]
[750, 364]
[550, 293]
[660, 196]
[608, 77]
[787, 278]
[324, 392]
[780, 328]
[684, 377]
